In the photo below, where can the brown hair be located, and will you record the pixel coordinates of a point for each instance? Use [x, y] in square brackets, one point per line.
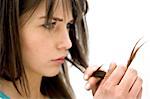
[11, 65]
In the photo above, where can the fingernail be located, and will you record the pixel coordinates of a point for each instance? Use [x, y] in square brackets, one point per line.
[87, 86]
[85, 77]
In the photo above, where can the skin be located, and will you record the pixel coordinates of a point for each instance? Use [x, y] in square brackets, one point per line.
[40, 46]
[119, 83]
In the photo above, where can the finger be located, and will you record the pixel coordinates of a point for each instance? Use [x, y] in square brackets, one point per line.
[140, 94]
[128, 79]
[89, 71]
[116, 76]
[95, 81]
[92, 83]
[112, 67]
[137, 86]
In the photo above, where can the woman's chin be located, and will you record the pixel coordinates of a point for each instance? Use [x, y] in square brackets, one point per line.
[53, 73]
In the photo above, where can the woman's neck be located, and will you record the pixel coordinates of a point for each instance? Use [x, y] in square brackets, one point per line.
[34, 83]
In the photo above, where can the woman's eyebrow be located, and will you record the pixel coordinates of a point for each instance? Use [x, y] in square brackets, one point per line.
[54, 18]
[58, 19]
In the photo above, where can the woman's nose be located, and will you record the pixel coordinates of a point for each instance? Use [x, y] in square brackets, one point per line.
[64, 39]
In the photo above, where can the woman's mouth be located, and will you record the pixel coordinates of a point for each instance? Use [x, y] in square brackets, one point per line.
[60, 60]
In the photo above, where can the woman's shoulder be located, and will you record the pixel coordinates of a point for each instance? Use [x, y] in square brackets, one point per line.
[3, 95]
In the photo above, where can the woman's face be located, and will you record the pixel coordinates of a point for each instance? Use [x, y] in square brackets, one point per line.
[44, 49]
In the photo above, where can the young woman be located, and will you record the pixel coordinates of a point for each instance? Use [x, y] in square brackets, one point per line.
[36, 36]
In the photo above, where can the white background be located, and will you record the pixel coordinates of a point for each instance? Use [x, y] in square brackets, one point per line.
[114, 27]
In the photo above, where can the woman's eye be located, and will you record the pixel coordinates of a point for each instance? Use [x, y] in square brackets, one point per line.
[49, 25]
[69, 25]
[53, 24]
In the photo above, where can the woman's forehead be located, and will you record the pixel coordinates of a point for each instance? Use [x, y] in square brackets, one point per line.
[63, 9]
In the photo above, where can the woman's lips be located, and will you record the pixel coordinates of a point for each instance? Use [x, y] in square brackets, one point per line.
[59, 60]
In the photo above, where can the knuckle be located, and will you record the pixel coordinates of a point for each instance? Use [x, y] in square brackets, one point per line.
[86, 71]
[94, 68]
[140, 80]
[92, 81]
[107, 89]
[132, 96]
[121, 69]
[133, 71]
[120, 95]
[91, 69]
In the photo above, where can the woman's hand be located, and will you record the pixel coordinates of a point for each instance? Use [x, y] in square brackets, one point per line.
[119, 83]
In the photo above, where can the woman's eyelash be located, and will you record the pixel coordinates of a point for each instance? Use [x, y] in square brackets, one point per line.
[69, 25]
[49, 25]
[53, 23]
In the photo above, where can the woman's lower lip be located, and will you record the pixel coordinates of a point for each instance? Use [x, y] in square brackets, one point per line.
[59, 61]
